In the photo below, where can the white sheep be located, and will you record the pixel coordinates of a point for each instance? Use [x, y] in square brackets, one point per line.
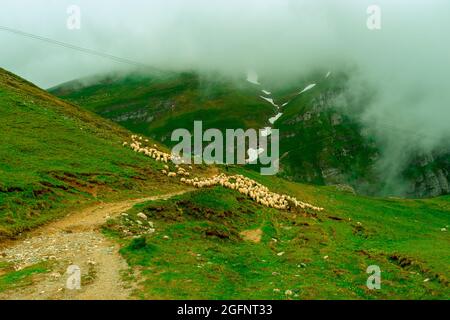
[246, 186]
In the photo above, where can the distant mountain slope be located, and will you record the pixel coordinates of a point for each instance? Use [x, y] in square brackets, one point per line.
[155, 105]
[54, 155]
[320, 143]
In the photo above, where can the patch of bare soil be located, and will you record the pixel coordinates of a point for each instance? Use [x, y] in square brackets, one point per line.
[252, 235]
[74, 240]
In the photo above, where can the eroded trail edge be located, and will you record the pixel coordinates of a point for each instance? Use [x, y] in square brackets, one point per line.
[74, 240]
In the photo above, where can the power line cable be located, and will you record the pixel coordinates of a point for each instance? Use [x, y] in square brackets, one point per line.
[80, 49]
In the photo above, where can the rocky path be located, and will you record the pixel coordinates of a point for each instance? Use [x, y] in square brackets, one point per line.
[74, 240]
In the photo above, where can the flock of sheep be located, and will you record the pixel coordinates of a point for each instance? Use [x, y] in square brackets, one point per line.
[248, 187]
[245, 186]
[137, 146]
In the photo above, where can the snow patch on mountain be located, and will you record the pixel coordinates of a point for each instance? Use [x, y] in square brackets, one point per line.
[253, 154]
[267, 131]
[273, 119]
[307, 88]
[270, 100]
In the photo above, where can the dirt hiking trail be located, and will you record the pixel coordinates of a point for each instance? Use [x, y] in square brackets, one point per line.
[74, 240]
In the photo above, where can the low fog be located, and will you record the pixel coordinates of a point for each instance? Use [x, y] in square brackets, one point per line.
[405, 63]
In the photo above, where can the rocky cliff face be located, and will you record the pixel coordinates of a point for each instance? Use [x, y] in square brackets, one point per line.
[430, 175]
[340, 152]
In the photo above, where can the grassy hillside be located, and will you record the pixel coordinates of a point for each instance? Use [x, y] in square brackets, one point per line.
[320, 142]
[156, 105]
[210, 243]
[55, 155]
[216, 244]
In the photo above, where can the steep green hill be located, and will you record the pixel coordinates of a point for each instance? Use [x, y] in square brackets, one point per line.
[156, 105]
[213, 242]
[54, 155]
[320, 143]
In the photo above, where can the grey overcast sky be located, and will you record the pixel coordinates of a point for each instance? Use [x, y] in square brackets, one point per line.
[406, 62]
[275, 37]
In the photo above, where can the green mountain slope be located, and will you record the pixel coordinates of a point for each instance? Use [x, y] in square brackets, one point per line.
[216, 244]
[156, 105]
[320, 143]
[55, 155]
[213, 242]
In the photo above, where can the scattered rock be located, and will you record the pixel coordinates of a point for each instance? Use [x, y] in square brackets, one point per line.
[280, 254]
[55, 275]
[345, 188]
[142, 216]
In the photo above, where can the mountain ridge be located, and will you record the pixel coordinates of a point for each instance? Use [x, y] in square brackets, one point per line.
[320, 142]
[211, 242]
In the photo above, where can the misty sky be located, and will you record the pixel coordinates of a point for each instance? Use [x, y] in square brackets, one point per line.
[275, 37]
[406, 62]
